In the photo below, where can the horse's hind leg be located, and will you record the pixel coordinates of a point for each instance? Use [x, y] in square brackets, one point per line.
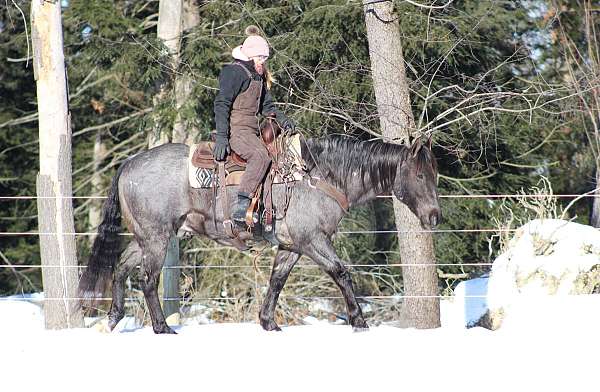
[132, 257]
[321, 251]
[282, 266]
[154, 250]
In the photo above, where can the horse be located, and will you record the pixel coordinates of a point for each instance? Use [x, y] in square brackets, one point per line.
[150, 192]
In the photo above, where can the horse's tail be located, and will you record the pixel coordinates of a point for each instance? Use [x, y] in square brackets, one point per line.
[106, 250]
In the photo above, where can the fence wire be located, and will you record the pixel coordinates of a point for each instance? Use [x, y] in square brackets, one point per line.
[267, 266]
[480, 196]
[432, 231]
[252, 266]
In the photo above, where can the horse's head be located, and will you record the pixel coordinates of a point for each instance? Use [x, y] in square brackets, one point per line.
[416, 184]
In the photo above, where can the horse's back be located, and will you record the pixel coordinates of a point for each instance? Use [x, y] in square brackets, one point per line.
[153, 187]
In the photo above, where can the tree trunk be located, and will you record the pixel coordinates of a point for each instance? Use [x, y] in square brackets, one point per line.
[171, 278]
[421, 306]
[95, 211]
[170, 25]
[54, 188]
[595, 216]
[383, 221]
[184, 131]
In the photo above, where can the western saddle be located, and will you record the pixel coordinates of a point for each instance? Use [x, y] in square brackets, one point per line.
[284, 168]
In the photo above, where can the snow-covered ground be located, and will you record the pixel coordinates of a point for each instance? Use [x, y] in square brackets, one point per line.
[548, 343]
[242, 357]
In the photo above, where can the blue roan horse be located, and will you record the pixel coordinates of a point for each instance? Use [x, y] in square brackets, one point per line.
[152, 194]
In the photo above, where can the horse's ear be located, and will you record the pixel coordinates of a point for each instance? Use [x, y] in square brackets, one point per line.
[416, 147]
[429, 141]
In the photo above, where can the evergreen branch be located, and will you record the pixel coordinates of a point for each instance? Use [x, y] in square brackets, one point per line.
[341, 116]
[26, 33]
[114, 162]
[460, 181]
[14, 60]
[427, 129]
[80, 132]
[115, 148]
[21, 120]
[33, 116]
[111, 123]
[523, 166]
[17, 273]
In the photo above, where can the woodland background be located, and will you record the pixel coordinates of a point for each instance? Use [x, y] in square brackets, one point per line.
[508, 89]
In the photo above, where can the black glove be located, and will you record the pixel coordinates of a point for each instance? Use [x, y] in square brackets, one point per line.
[221, 148]
[288, 125]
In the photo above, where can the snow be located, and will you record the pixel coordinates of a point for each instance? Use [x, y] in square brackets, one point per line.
[232, 357]
[469, 303]
[544, 259]
[548, 343]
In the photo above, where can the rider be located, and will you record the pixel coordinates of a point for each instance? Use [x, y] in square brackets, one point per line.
[244, 93]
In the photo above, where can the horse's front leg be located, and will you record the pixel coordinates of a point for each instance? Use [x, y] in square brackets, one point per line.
[321, 251]
[282, 266]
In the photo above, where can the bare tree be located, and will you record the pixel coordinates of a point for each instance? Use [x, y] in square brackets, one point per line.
[54, 188]
[169, 28]
[581, 74]
[421, 307]
[95, 209]
[184, 131]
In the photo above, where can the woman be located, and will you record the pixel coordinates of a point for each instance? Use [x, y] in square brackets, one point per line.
[243, 94]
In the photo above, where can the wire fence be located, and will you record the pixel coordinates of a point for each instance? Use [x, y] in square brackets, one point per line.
[292, 297]
[432, 231]
[480, 196]
[174, 267]
[256, 266]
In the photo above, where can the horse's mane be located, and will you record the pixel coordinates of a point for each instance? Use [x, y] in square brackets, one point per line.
[338, 157]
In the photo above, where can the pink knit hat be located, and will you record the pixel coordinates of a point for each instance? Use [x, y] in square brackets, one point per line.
[255, 45]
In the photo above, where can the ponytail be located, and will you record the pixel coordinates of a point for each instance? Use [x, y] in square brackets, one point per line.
[268, 77]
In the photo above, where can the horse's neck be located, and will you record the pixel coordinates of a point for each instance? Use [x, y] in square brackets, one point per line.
[355, 190]
[359, 193]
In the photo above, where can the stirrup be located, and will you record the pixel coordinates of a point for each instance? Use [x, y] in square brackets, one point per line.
[243, 219]
[269, 235]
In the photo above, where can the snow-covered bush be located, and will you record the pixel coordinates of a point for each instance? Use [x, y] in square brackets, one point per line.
[544, 257]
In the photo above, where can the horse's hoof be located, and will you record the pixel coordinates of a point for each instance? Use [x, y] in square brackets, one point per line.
[113, 320]
[270, 326]
[165, 330]
[360, 325]
[112, 324]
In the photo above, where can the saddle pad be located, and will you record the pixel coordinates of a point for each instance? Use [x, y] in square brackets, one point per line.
[198, 177]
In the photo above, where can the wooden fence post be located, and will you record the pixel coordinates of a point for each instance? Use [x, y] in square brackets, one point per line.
[171, 278]
[54, 188]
